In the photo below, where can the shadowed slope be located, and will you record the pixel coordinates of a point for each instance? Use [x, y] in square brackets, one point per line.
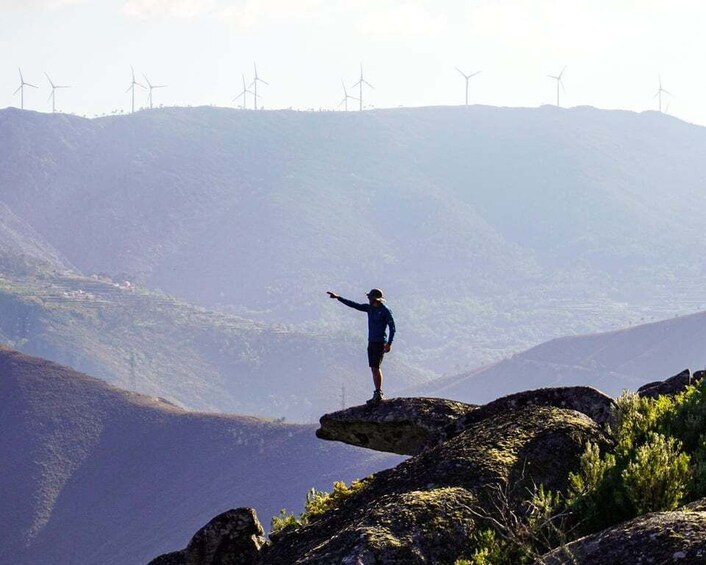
[95, 475]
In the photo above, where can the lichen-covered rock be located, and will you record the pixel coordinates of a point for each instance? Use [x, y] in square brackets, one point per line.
[405, 426]
[663, 537]
[585, 399]
[671, 386]
[425, 509]
[232, 538]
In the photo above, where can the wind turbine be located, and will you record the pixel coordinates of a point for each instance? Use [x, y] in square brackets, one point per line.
[467, 77]
[559, 82]
[21, 89]
[52, 96]
[244, 94]
[360, 84]
[132, 88]
[346, 97]
[254, 83]
[659, 93]
[152, 87]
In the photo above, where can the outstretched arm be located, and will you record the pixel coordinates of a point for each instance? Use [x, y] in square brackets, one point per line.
[361, 307]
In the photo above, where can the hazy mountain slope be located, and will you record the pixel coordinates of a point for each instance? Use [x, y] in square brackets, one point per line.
[203, 360]
[611, 362]
[90, 474]
[22, 249]
[488, 227]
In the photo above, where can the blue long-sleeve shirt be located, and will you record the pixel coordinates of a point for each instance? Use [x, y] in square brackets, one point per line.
[379, 319]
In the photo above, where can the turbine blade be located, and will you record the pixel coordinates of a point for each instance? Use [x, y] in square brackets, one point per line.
[667, 92]
[370, 85]
[562, 86]
[16, 91]
[474, 74]
[33, 86]
[562, 71]
[21, 78]
[129, 88]
[140, 84]
[464, 75]
[49, 97]
[264, 82]
[147, 80]
[50, 82]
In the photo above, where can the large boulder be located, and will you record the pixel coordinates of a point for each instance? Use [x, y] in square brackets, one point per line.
[662, 537]
[232, 538]
[425, 509]
[585, 399]
[405, 426]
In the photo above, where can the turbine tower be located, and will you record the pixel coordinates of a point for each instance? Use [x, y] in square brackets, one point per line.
[346, 97]
[254, 83]
[21, 89]
[52, 96]
[659, 93]
[132, 88]
[360, 84]
[559, 82]
[152, 87]
[244, 93]
[467, 77]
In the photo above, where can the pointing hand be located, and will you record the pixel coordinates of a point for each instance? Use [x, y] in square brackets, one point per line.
[332, 294]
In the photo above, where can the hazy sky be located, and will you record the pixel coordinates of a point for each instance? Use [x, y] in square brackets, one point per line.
[613, 50]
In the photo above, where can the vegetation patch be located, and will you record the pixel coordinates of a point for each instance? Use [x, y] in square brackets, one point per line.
[317, 503]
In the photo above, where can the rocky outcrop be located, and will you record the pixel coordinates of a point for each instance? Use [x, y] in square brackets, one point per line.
[408, 426]
[405, 426]
[671, 386]
[662, 537]
[232, 538]
[425, 509]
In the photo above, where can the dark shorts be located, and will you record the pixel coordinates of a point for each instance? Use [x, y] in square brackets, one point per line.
[376, 350]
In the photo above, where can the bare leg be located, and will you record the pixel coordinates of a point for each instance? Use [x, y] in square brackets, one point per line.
[377, 377]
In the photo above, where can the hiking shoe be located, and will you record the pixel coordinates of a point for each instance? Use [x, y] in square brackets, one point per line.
[377, 397]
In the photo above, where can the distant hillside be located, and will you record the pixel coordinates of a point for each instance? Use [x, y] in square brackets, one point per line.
[492, 229]
[611, 362]
[91, 475]
[157, 345]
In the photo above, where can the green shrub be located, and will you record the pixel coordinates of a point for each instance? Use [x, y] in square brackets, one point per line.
[657, 476]
[488, 550]
[283, 521]
[317, 503]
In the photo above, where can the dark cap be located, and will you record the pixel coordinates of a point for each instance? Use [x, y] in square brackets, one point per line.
[376, 294]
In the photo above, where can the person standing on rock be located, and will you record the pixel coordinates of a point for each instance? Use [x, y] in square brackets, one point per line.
[379, 319]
